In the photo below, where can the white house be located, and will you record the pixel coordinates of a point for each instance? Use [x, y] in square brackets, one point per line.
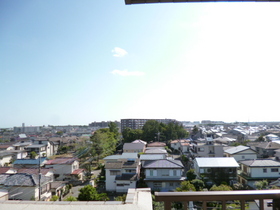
[258, 170]
[208, 148]
[65, 169]
[164, 174]
[241, 153]
[121, 173]
[215, 170]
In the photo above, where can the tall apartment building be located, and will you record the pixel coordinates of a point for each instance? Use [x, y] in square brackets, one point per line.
[139, 123]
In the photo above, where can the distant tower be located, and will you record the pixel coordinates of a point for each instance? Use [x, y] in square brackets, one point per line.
[23, 127]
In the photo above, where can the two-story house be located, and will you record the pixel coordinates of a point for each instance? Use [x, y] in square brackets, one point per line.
[122, 172]
[258, 170]
[65, 169]
[265, 149]
[215, 170]
[241, 153]
[207, 148]
[164, 174]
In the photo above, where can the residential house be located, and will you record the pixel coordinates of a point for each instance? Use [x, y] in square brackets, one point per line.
[122, 173]
[265, 149]
[122, 157]
[22, 186]
[215, 170]
[277, 154]
[147, 157]
[22, 145]
[134, 147]
[181, 145]
[57, 188]
[207, 148]
[164, 174]
[258, 170]
[8, 156]
[65, 169]
[5, 158]
[241, 153]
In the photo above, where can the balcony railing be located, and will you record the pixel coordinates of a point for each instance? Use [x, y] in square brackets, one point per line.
[222, 196]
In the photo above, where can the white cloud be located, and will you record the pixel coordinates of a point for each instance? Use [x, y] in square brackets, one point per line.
[119, 52]
[127, 73]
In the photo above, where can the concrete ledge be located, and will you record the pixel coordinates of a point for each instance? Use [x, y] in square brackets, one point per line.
[137, 199]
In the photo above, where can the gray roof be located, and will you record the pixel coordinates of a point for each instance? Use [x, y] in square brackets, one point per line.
[156, 151]
[261, 163]
[22, 179]
[29, 161]
[216, 162]
[237, 149]
[152, 157]
[268, 145]
[164, 163]
[128, 146]
[114, 165]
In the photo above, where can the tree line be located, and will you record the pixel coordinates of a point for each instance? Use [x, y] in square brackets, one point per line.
[155, 131]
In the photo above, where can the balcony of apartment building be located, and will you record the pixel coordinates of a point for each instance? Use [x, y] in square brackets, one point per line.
[245, 199]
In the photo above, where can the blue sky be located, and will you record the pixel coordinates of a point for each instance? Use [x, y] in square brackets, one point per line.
[75, 62]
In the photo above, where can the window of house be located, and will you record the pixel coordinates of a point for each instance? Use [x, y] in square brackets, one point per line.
[115, 172]
[165, 172]
[171, 184]
[157, 185]
[274, 170]
[264, 170]
[201, 149]
[209, 170]
[243, 157]
[174, 172]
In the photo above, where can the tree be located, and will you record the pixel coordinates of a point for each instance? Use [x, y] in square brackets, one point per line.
[120, 198]
[89, 193]
[130, 135]
[103, 143]
[113, 128]
[191, 174]
[33, 154]
[198, 184]
[150, 130]
[221, 187]
[54, 198]
[186, 186]
[261, 185]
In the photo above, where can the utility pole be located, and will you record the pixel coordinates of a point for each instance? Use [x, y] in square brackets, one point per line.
[39, 175]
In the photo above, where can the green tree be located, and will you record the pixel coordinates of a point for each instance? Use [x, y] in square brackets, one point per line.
[120, 198]
[130, 135]
[198, 184]
[113, 128]
[89, 193]
[191, 174]
[261, 185]
[186, 186]
[221, 187]
[150, 130]
[33, 154]
[103, 143]
[261, 138]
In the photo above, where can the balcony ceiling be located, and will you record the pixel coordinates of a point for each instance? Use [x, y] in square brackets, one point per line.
[170, 1]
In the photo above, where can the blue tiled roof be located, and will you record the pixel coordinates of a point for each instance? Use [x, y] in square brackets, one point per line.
[29, 161]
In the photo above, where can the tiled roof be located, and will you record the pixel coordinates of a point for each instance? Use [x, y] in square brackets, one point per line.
[237, 149]
[156, 144]
[29, 161]
[3, 170]
[65, 161]
[44, 171]
[77, 171]
[163, 164]
[114, 165]
[268, 145]
[156, 151]
[261, 163]
[25, 180]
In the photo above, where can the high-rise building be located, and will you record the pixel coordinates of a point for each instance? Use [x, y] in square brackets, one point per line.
[139, 123]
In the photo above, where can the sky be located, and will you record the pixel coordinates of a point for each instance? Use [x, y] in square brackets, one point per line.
[72, 62]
